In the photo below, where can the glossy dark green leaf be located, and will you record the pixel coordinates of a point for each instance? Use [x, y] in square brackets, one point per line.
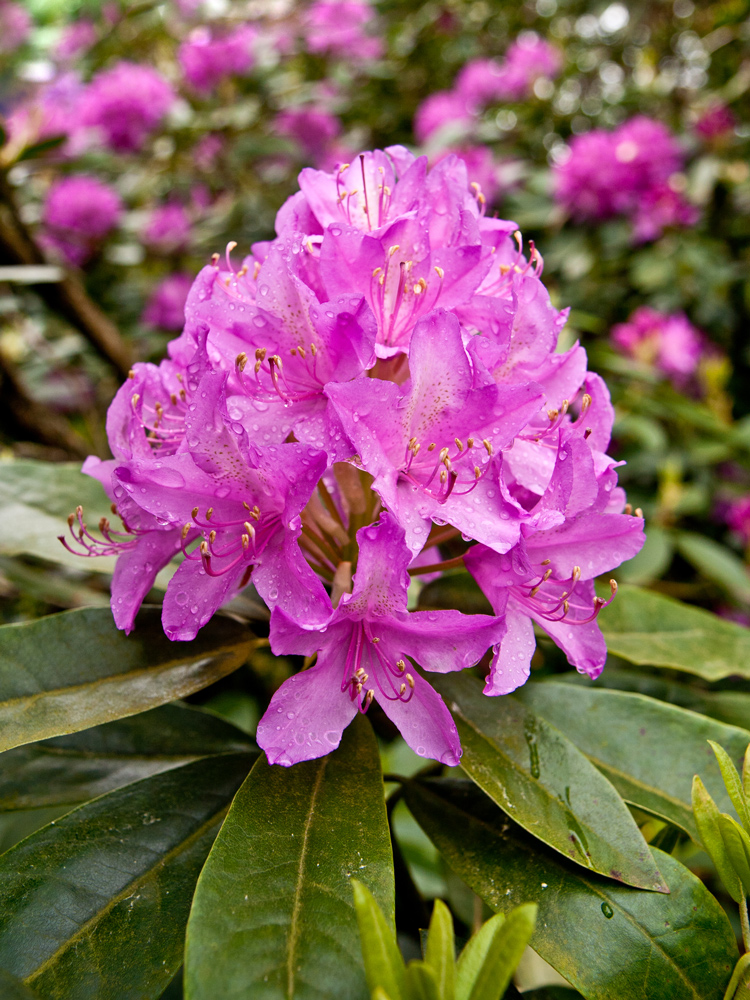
[95, 905]
[36, 498]
[14, 989]
[609, 941]
[80, 766]
[75, 670]
[707, 815]
[649, 750]
[536, 775]
[273, 914]
[732, 707]
[440, 953]
[649, 628]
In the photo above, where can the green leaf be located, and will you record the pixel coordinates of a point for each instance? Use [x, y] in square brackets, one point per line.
[75, 670]
[737, 844]
[384, 966]
[716, 562]
[545, 783]
[14, 989]
[273, 913]
[732, 781]
[490, 965]
[440, 953]
[649, 628]
[474, 955]
[707, 820]
[74, 768]
[421, 983]
[36, 498]
[608, 940]
[95, 904]
[649, 750]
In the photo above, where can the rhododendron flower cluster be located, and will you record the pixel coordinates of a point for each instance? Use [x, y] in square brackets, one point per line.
[126, 103]
[372, 396]
[79, 212]
[632, 171]
[342, 28]
[206, 59]
[668, 341]
[166, 306]
[484, 81]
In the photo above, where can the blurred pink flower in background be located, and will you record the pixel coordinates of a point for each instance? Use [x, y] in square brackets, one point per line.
[51, 112]
[480, 81]
[15, 26]
[166, 306]
[480, 167]
[631, 171]
[715, 122]
[168, 229]
[737, 518]
[528, 58]
[338, 27]
[126, 103]
[79, 212]
[444, 107]
[312, 128]
[75, 40]
[670, 342]
[206, 59]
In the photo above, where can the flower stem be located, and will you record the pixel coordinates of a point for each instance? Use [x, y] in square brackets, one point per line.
[437, 567]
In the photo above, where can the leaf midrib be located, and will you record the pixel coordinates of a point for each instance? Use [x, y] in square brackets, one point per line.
[142, 879]
[297, 903]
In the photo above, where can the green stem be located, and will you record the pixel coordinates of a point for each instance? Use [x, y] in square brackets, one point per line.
[745, 923]
[739, 969]
[436, 567]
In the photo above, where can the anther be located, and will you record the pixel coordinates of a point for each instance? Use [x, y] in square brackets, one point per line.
[393, 249]
[576, 574]
[613, 586]
[459, 444]
[173, 399]
[443, 476]
[131, 373]
[443, 454]
[587, 434]
[185, 530]
[209, 513]
[488, 445]
[585, 402]
[410, 681]
[545, 562]
[260, 354]
[439, 272]
[204, 549]
[368, 700]
[134, 400]
[211, 537]
[215, 259]
[113, 508]
[477, 472]
[240, 361]
[402, 689]
[400, 666]
[638, 512]
[313, 350]
[249, 528]
[194, 513]
[376, 272]
[245, 542]
[375, 640]
[628, 508]
[431, 447]
[470, 442]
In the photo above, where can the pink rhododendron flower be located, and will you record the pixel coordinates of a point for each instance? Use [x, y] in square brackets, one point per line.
[339, 27]
[670, 342]
[362, 649]
[441, 109]
[166, 307]
[15, 26]
[79, 212]
[379, 379]
[207, 59]
[527, 59]
[737, 518]
[126, 103]
[715, 122]
[168, 230]
[76, 39]
[480, 82]
[312, 128]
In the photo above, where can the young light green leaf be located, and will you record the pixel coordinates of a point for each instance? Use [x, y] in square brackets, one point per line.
[739, 974]
[474, 956]
[505, 953]
[440, 953]
[74, 670]
[732, 782]
[746, 773]
[421, 983]
[707, 819]
[737, 844]
[384, 966]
